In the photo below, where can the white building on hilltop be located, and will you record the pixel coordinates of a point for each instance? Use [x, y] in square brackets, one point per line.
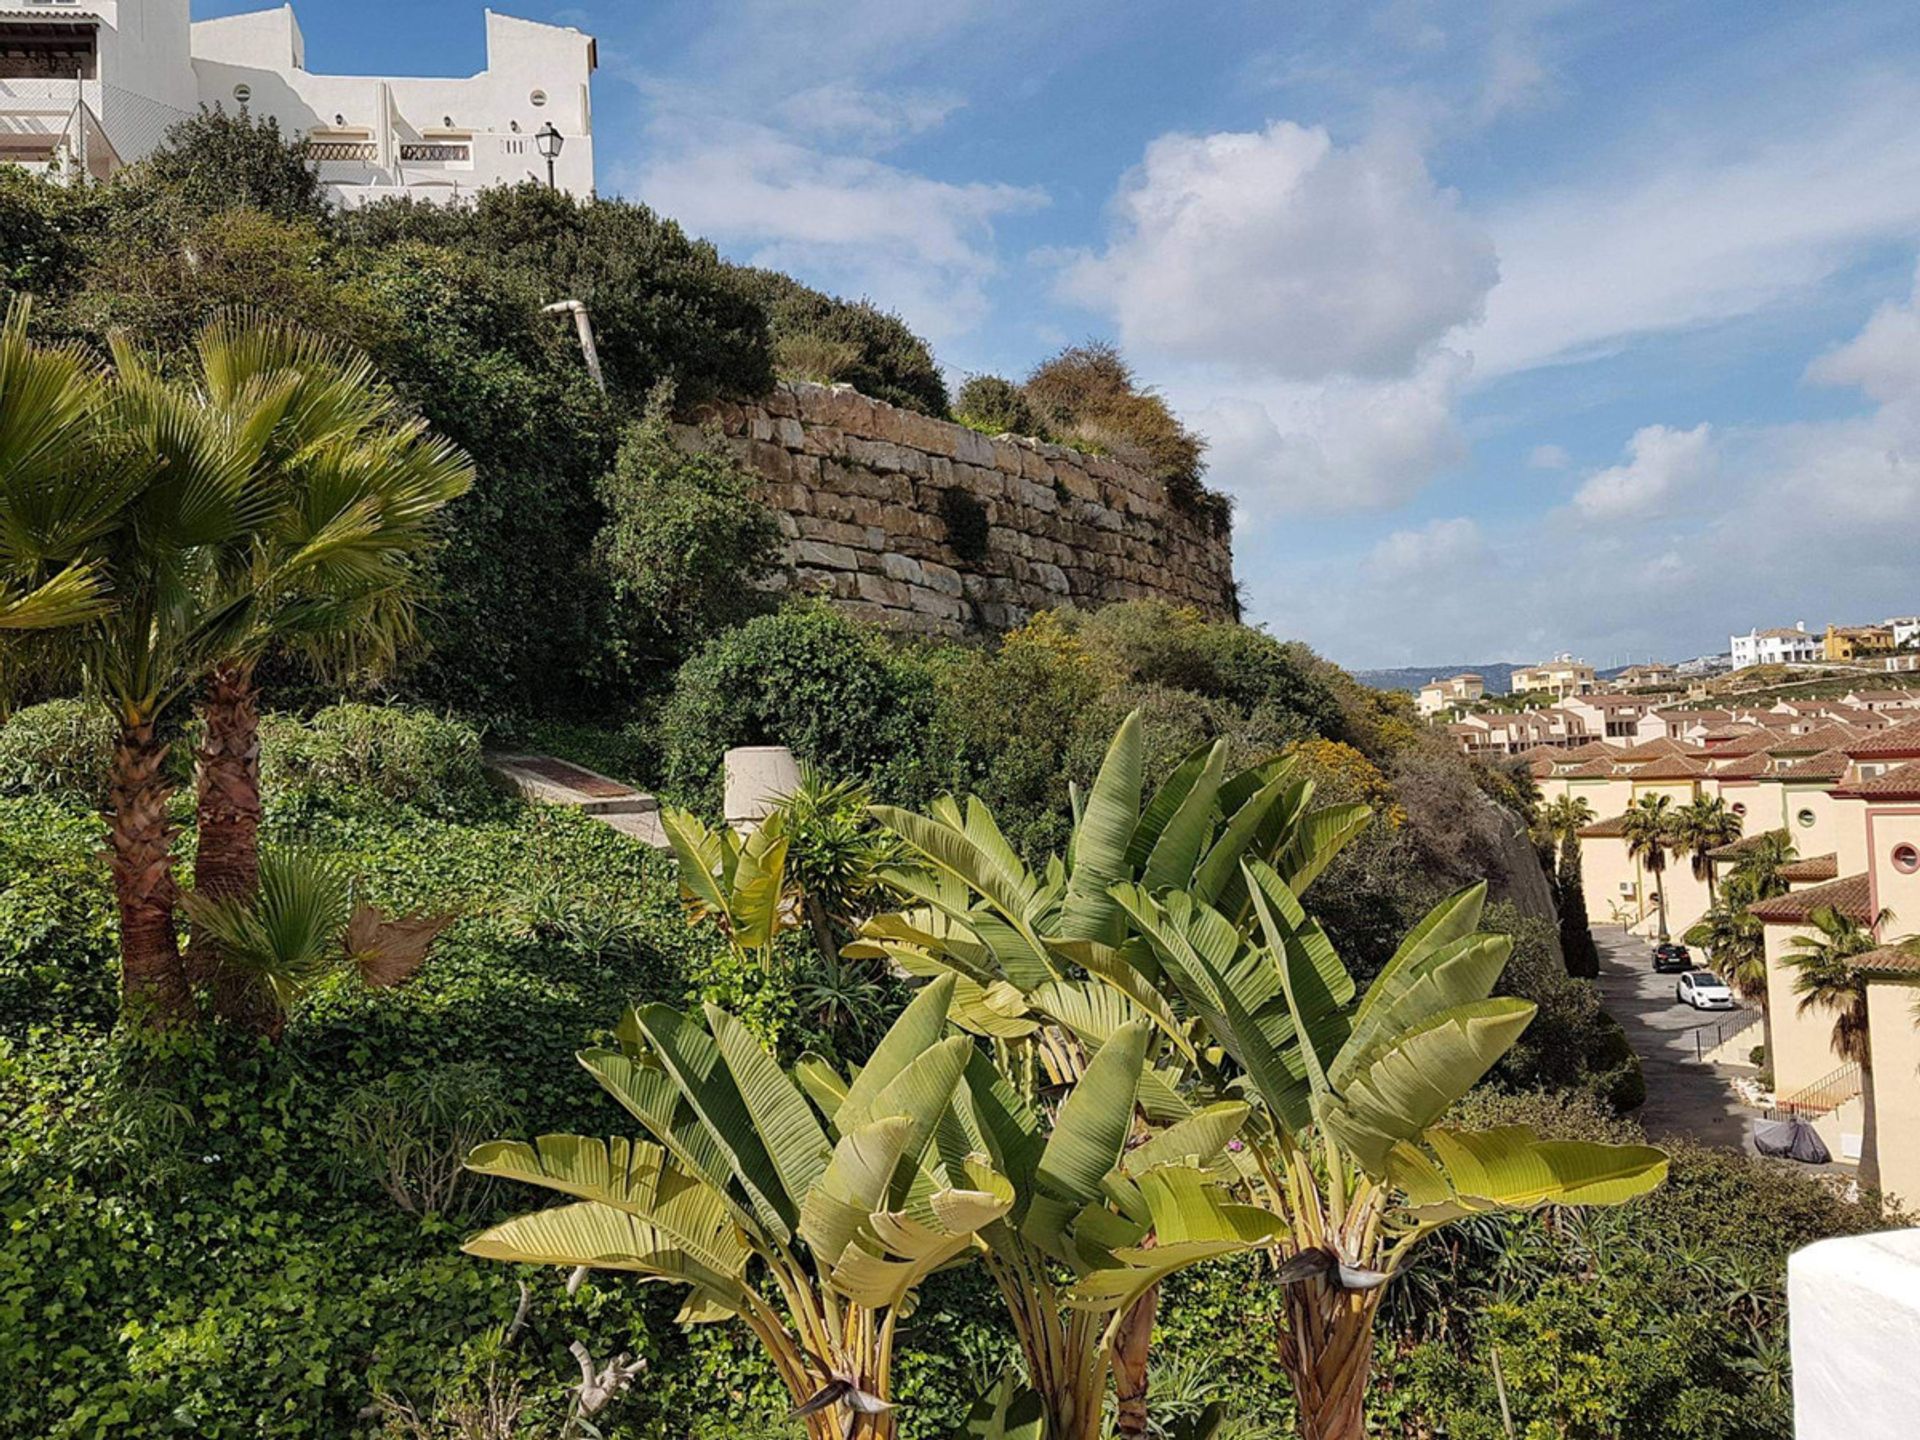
[1775, 647]
[91, 85]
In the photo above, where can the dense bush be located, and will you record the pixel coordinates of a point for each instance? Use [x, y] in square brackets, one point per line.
[1087, 396]
[224, 160]
[821, 337]
[996, 406]
[359, 755]
[60, 745]
[1572, 1046]
[808, 678]
[684, 540]
[56, 935]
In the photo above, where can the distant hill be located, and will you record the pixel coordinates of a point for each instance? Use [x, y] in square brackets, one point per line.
[1499, 677]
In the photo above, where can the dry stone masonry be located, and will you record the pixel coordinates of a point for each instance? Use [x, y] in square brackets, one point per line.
[929, 526]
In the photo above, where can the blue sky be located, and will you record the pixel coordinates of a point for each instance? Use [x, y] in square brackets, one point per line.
[1516, 325]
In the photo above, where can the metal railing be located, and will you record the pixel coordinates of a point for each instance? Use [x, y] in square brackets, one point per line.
[1822, 1097]
[349, 151]
[1721, 1031]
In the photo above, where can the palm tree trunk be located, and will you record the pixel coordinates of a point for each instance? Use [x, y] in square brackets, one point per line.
[1660, 880]
[1869, 1172]
[227, 863]
[1327, 1351]
[153, 981]
[1130, 1351]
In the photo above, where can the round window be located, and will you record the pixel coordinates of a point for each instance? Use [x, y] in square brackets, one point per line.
[538, 97]
[1805, 817]
[1906, 859]
[1739, 807]
[242, 93]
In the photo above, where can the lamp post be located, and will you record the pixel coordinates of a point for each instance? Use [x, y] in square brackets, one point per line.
[549, 140]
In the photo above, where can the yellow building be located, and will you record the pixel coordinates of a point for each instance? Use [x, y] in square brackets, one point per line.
[1854, 642]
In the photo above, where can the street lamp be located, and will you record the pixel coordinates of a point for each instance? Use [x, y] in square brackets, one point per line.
[548, 141]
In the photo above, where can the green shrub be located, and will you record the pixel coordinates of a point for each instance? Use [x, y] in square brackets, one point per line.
[61, 745]
[354, 755]
[809, 678]
[1087, 396]
[58, 943]
[818, 358]
[684, 542]
[993, 405]
[870, 348]
[226, 160]
[409, 1132]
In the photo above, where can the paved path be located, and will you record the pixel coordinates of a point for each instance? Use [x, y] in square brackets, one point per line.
[546, 781]
[1684, 1096]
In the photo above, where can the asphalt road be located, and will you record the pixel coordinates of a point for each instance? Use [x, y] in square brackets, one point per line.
[1685, 1097]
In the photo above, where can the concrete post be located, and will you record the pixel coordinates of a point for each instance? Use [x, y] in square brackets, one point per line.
[1853, 1308]
[758, 777]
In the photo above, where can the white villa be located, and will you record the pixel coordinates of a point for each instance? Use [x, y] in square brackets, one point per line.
[1559, 677]
[1776, 647]
[1437, 696]
[91, 85]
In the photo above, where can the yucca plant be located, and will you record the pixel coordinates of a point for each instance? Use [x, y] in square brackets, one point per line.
[815, 1243]
[1349, 1149]
[739, 882]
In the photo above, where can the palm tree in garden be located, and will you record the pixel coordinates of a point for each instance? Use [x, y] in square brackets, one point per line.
[331, 570]
[1826, 979]
[1700, 828]
[1566, 816]
[1649, 834]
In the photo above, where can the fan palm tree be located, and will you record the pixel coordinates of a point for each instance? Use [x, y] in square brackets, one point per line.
[332, 569]
[1567, 816]
[1700, 828]
[1649, 834]
[1826, 979]
[1761, 860]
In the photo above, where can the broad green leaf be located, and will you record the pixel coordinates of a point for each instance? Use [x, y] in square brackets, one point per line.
[603, 1238]
[1455, 974]
[1198, 1139]
[1454, 918]
[1100, 839]
[914, 1247]
[1509, 1168]
[781, 1116]
[1113, 967]
[1009, 1411]
[1316, 840]
[1163, 805]
[1414, 1077]
[837, 1210]
[1095, 1120]
[1245, 827]
[691, 1057]
[1177, 851]
[919, 1028]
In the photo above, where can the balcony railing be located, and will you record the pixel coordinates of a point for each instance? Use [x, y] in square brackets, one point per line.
[357, 152]
[1823, 1096]
[434, 152]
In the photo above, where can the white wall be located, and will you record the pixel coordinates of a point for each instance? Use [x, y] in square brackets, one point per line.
[1853, 1314]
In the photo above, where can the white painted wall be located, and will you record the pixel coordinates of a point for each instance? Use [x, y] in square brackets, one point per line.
[1853, 1314]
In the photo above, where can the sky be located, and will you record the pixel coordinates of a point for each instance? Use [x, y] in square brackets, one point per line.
[1514, 326]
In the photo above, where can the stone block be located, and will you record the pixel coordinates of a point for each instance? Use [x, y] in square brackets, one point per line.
[939, 577]
[822, 555]
[903, 568]
[878, 590]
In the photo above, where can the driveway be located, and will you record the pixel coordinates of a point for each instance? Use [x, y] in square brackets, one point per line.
[1685, 1097]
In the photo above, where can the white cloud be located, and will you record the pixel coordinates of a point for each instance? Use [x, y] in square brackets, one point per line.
[1884, 358]
[1660, 461]
[1699, 228]
[1435, 552]
[1280, 253]
[851, 113]
[849, 222]
[1549, 457]
[1283, 448]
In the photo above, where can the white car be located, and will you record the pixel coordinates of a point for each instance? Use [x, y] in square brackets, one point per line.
[1703, 990]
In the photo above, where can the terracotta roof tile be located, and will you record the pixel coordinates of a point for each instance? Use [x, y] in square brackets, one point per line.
[1827, 765]
[1592, 770]
[1674, 767]
[1902, 739]
[1593, 750]
[1851, 897]
[1900, 782]
[1826, 737]
[1658, 750]
[1744, 767]
[1611, 829]
[1891, 961]
[1744, 844]
[1814, 867]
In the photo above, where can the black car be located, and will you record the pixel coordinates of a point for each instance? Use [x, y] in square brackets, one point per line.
[1669, 958]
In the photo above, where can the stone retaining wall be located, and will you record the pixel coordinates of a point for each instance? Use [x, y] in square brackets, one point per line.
[929, 526]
